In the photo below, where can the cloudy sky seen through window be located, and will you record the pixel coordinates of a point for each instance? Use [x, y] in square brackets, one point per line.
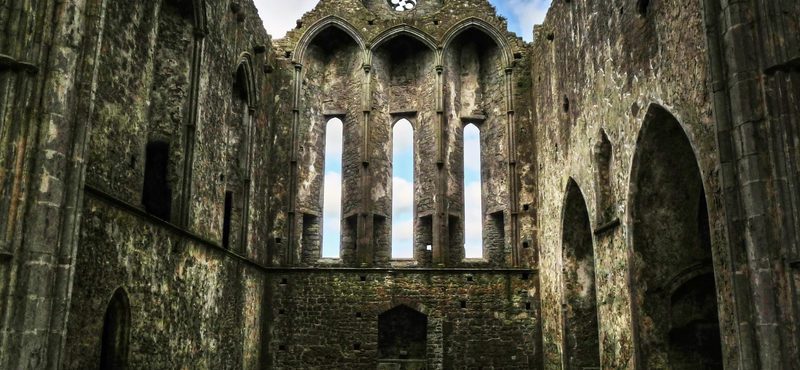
[279, 16]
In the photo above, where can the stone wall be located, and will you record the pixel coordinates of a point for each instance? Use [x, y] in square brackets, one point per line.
[197, 82]
[603, 69]
[475, 318]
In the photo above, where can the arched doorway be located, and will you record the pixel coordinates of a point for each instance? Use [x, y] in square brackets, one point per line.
[672, 272]
[402, 337]
[581, 344]
[116, 328]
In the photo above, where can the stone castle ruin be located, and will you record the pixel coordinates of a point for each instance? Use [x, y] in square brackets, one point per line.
[163, 173]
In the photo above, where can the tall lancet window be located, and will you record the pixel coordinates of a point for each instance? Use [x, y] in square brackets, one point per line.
[403, 190]
[473, 206]
[332, 197]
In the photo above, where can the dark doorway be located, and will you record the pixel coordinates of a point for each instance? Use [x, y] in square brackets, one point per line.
[116, 326]
[581, 344]
[402, 334]
[673, 276]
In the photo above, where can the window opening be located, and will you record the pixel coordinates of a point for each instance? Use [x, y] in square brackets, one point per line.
[226, 219]
[402, 190]
[473, 196]
[332, 196]
[403, 5]
[156, 194]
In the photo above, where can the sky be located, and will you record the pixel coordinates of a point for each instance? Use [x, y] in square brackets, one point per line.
[280, 16]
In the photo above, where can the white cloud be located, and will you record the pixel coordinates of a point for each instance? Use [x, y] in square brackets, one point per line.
[402, 196]
[472, 149]
[403, 238]
[402, 136]
[528, 14]
[473, 220]
[280, 16]
[333, 142]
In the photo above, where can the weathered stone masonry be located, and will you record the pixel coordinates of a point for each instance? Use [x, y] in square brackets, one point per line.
[161, 167]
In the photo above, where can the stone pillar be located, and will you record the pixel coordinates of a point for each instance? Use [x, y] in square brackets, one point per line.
[754, 56]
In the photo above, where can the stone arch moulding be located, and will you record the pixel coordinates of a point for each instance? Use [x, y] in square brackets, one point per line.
[654, 110]
[245, 62]
[410, 31]
[655, 113]
[322, 25]
[484, 27]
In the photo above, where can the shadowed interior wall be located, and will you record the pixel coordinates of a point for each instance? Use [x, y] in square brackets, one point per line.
[581, 345]
[672, 251]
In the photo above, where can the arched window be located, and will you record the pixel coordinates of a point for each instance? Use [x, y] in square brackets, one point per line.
[403, 190]
[116, 326]
[332, 195]
[473, 197]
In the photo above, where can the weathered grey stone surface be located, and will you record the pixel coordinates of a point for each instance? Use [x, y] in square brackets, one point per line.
[161, 182]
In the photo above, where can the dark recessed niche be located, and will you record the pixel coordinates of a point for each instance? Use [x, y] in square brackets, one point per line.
[463, 303]
[278, 240]
[528, 306]
[371, 22]
[525, 275]
[566, 104]
[517, 55]
[526, 207]
[288, 54]
[526, 245]
[551, 36]
[363, 277]
[282, 347]
[357, 346]
[469, 278]
[281, 311]
[358, 314]
[642, 6]
[284, 281]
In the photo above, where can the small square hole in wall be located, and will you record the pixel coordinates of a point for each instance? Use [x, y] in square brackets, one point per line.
[288, 54]
[517, 55]
[526, 207]
[371, 22]
[284, 281]
[463, 303]
[282, 347]
[281, 311]
[469, 278]
[357, 346]
[363, 277]
[428, 247]
[528, 306]
[525, 275]
[278, 240]
[436, 22]
[526, 245]
[358, 315]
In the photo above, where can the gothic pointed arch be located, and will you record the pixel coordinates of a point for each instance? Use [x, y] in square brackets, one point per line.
[482, 26]
[319, 27]
[116, 332]
[674, 301]
[245, 79]
[406, 30]
[579, 292]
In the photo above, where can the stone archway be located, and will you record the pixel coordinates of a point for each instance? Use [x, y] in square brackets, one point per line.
[674, 296]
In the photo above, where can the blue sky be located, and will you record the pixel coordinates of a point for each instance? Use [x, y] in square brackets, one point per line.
[280, 15]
